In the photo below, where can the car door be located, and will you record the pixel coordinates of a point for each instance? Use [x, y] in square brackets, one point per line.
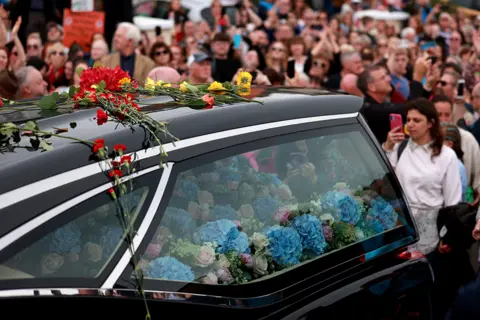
[72, 235]
[257, 181]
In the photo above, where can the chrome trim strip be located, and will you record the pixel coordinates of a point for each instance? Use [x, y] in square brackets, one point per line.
[19, 232]
[142, 230]
[33, 189]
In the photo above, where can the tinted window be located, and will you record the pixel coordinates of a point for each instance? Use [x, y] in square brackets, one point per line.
[82, 241]
[253, 214]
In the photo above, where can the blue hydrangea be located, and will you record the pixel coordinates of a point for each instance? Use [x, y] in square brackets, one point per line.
[268, 178]
[265, 208]
[374, 225]
[110, 240]
[169, 268]
[344, 207]
[285, 245]
[190, 189]
[311, 232]
[382, 211]
[223, 212]
[236, 241]
[214, 231]
[179, 222]
[66, 239]
[227, 174]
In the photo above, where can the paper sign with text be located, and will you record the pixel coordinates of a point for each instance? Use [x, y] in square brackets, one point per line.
[79, 27]
[82, 5]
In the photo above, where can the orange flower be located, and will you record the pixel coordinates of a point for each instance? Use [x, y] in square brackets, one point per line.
[209, 100]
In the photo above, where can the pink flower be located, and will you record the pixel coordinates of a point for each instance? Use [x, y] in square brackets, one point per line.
[282, 215]
[247, 260]
[209, 100]
[153, 251]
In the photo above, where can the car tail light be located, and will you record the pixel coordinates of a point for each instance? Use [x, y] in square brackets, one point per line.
[410, 255]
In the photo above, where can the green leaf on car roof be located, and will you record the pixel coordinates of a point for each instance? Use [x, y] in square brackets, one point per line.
[73, 124]
[49, 102]
[45, 146]
[30, 126]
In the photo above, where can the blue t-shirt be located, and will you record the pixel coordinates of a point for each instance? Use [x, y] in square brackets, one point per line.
[463, 178]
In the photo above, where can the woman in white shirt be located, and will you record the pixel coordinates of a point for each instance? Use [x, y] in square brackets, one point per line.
[427, 170]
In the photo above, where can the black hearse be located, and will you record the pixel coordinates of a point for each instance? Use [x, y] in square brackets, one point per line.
[62, 256]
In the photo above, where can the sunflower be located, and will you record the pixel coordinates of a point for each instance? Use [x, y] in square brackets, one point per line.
[244, 79]
[244, 90]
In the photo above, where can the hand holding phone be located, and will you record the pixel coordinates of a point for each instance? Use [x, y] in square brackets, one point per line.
[395, 121]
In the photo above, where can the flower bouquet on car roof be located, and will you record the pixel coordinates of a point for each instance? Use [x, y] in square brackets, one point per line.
[115, 95]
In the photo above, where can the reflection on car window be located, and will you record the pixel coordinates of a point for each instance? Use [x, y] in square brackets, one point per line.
[80, 248]
[244, 217]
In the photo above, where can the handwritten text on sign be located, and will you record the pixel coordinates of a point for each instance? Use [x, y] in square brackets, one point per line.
[79, 27]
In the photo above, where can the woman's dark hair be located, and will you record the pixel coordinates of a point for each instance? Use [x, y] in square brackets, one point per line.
[159, 45]
[427, 108]
[451, 133]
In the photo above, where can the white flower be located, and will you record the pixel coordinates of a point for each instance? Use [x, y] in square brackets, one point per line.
[359, 234]
[328, 218]
[205, 257]
[259, 241]
[210, 278]
[224, 275]
[260, 264]
[222, 261]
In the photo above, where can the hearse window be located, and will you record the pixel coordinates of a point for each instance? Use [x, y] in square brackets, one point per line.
[249, 216]
[80, 242]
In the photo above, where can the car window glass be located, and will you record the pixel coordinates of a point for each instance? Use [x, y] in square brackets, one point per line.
[251, 215]
[82, 246]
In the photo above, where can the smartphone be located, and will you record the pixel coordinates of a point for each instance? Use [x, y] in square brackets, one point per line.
[237, 41]
[433, 58]
[395, 120]
[254, 75]
[428, 45]
[461, 89]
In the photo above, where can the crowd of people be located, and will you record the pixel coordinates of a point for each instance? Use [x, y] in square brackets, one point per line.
[425, 68]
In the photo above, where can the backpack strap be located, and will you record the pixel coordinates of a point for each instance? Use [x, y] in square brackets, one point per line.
[401, 147]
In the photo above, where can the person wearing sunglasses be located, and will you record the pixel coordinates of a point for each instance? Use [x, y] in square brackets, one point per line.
[161, 54]
[34, 45]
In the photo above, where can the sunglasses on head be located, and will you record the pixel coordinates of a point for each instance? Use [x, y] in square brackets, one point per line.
[159, 53]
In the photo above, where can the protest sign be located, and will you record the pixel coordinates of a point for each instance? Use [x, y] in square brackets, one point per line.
[80, 27]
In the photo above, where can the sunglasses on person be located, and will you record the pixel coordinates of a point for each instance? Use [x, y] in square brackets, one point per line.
[57, 53]
[32, 46]
[159, 53]
[442, 83]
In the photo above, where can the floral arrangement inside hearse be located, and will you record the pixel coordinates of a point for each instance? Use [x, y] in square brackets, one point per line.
[223, 227]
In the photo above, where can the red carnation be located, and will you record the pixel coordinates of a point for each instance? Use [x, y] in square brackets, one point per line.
[111, 77]
[115, 173]
[120, 148]
[116, 164]
[98, 145]
[127, 159]
[102, 117]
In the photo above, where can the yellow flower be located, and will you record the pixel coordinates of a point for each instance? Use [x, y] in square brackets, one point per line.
[244, 79]
[183, 87]
[216, 86]
[150, 84]
[244, 90]
[124, 81]
[160, 83]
